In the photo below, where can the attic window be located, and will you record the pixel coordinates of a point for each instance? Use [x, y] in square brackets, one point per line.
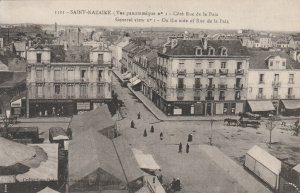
[223, 51]
[198, 51]
[211, 51]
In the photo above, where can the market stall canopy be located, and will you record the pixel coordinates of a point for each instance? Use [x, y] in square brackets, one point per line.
[266, 159]
[136, 82]
[46, 171]
[12, 153]
[291, 104]
[127, 76]
[297, 168]
[48, 190]
[58, 133]
[261, 106]
[145, 161]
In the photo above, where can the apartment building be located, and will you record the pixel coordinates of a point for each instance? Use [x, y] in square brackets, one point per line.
[116, 49]
[81, 82]
[202, 77]
[272, 83]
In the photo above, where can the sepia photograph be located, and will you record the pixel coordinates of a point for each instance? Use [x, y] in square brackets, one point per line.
[154, 96]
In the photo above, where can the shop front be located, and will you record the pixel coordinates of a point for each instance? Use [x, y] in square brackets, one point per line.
[228, 108]
[51, 108]
[290, 107]
[18, 107]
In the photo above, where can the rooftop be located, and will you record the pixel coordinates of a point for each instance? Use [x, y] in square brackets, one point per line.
[258, 59]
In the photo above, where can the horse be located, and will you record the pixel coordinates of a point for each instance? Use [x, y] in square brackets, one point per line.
[231, 121]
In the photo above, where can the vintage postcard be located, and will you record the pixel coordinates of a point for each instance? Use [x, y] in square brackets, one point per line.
[171, 96]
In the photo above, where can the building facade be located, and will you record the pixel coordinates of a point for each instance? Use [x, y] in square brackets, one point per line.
[273, 79]
[202, 77]
[67, 88]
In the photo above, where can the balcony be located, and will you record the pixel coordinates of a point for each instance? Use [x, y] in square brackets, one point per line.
[238, 86]
[197, 86]
[198, 71]
[40, 80]
[221, 98]
[70, 96]
[209, 98]
[180, 86]
[197, 97]
[275, 96]
[58, 96]
[222, 86]
[223, 71]
[237, 97]
[84, 80]
[276, 84]
[289, 96]
[181, 72]
[260, 96]
[210, 71]
[239, 71]
[83, 96]
[291, 81]
[210, 86]
[101, 80]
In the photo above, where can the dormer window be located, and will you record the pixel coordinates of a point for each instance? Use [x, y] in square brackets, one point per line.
[198, 51]
[223, 51]
[211, 51]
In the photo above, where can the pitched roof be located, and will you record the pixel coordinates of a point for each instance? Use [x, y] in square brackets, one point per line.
[20, 46]
[258, 59]
[78, 54]
[187, 48]
[100, 153]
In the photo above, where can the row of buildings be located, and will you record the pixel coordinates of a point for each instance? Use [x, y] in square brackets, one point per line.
[213, 77]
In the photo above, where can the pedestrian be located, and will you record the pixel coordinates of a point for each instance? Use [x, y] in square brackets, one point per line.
[180, 148]
[187, 148]
[161, 135]
[152, 129]
[145, 133]
[132, 124]
[139, 115]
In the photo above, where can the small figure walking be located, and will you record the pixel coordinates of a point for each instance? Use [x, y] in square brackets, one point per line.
[145, 133]
[180, 148]
[161, 135]
[139, 115]
[187, 148]
[132, 124]
[152, 129]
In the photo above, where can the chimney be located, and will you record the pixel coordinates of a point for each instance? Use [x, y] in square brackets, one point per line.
[204, 42]
[174, 43]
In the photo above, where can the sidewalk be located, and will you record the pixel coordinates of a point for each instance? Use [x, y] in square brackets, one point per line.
[44, 120]
[234, 170]
[163, 117]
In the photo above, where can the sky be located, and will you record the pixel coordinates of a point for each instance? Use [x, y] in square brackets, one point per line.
[271, 15]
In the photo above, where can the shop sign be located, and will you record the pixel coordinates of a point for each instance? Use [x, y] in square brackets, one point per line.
[17, 103]
[83, 106]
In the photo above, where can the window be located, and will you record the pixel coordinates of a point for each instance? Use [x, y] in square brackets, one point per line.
[210, 64]
[222, 95]
[100, 58]
[198, 51]
[260, 92]
[57, 75]
[283, 63]
[291, 78]
[100, 90]
[223, 65]
[239, 65]
[233, 106]
[271, 63]
[225, 110]
[39, 75]
[275, 92]
[238, 82]
[290, 91]
[40, 91]
[211, 51]
[210, 81]
[276, 78]
[57, 89]
[100, 75]
[197, 82]
[70, 90]
[198, 65]
[261, 78]
[237, 95]
[70, 75]
[223, 52]
[180, 82]
[83, 90]
[38, 57]
[83, 75]
[181, 66]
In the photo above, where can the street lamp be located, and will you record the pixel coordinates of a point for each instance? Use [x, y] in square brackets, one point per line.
[211, 132]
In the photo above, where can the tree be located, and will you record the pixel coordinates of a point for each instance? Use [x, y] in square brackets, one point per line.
[296, 128]
[270, 125]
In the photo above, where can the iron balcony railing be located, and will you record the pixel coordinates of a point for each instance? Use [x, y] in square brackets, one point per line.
[239, 71]
[223, 71]
[238, 86]
[222, 86]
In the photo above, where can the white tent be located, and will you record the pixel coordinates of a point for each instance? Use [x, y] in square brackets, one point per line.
[145, 161]
[48, 190]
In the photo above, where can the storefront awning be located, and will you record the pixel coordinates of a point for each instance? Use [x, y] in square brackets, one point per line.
[133, 79]
[291, 104]
[261, 106]
[127, 75]
[145, 161]
[136, 82]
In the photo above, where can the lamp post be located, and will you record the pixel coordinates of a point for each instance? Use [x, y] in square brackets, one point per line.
[211, 132]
